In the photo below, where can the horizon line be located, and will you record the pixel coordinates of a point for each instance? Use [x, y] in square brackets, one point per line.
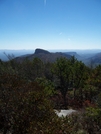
[52, 49]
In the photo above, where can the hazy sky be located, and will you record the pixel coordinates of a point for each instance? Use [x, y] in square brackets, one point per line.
[50, 24]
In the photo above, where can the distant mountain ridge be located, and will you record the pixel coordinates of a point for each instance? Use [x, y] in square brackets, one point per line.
[44, 55]
[88, 57]
[95, 60]
[74, 54]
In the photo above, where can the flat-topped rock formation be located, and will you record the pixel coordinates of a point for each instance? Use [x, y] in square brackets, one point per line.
[38, 50]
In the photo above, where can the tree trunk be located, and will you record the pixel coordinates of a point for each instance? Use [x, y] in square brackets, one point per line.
[65, 101]
[81, 97]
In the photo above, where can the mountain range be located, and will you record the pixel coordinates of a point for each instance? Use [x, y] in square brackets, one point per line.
[86, 56]
[44, 55]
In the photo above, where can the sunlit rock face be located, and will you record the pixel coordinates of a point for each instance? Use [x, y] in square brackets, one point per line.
[64, 113]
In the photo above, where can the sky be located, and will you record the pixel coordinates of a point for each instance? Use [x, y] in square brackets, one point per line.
[50, 24]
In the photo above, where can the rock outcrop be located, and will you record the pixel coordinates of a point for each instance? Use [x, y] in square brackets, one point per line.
[38, 50]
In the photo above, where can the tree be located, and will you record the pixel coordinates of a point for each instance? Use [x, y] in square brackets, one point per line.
[47, 70]
[38, 67]
[30, 70]
[80, 77]
[61, 70]
[21, 104]
[97, 76]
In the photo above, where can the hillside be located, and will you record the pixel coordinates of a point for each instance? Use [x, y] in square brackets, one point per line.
[93, 60]
[74, 54]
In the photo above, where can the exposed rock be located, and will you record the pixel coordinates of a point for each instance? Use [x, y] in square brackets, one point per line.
[38, 51]
[64, 112]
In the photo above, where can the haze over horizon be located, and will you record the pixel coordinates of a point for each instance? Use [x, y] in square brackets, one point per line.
[50, 24]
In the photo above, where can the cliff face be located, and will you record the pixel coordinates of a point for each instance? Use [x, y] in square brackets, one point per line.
[38, 50]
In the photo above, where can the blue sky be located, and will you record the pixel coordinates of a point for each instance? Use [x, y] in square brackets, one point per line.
[50, 24]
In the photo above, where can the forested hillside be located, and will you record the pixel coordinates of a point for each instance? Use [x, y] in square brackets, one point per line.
[30, 91]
